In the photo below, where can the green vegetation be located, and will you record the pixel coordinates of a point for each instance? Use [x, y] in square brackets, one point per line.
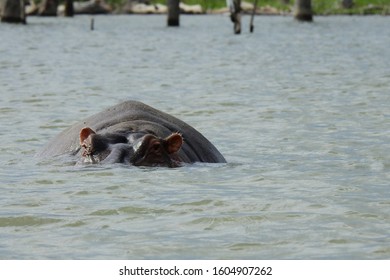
[325, 7]
[320, 7]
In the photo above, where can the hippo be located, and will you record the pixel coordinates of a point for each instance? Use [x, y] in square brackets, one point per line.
[133, 133]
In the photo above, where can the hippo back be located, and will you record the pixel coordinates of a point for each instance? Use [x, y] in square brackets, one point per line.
[133, 116]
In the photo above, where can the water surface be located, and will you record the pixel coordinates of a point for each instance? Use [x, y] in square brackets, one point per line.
[300, 111]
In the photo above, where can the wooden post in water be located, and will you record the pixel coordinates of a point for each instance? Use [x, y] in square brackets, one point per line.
[235, 14]
[251, 26]
[173, 12]
[69, 10]
[12, 11]
[48, 8]
[302, 10]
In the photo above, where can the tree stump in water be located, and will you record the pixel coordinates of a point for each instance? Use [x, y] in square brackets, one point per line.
[235, 15]
[173, 12]
[69, 9]
[48, 8]
[303, 11]
[12, 11]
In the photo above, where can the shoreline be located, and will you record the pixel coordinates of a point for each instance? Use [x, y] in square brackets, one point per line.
[93, 8]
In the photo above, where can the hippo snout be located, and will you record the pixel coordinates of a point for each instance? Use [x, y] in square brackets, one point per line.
[146, 150]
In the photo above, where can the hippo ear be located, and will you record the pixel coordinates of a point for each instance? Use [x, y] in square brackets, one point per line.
[84, 134]
[173, 143]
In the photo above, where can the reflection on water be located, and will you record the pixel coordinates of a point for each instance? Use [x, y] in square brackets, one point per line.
[300, 111]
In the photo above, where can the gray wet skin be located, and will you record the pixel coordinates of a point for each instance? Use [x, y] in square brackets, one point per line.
[136, 134]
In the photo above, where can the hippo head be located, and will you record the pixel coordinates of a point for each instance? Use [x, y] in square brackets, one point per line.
[138, 148]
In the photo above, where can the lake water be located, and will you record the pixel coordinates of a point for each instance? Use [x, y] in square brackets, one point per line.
[300, 111]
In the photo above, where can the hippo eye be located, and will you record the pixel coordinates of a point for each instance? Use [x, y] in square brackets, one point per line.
[156, 147]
